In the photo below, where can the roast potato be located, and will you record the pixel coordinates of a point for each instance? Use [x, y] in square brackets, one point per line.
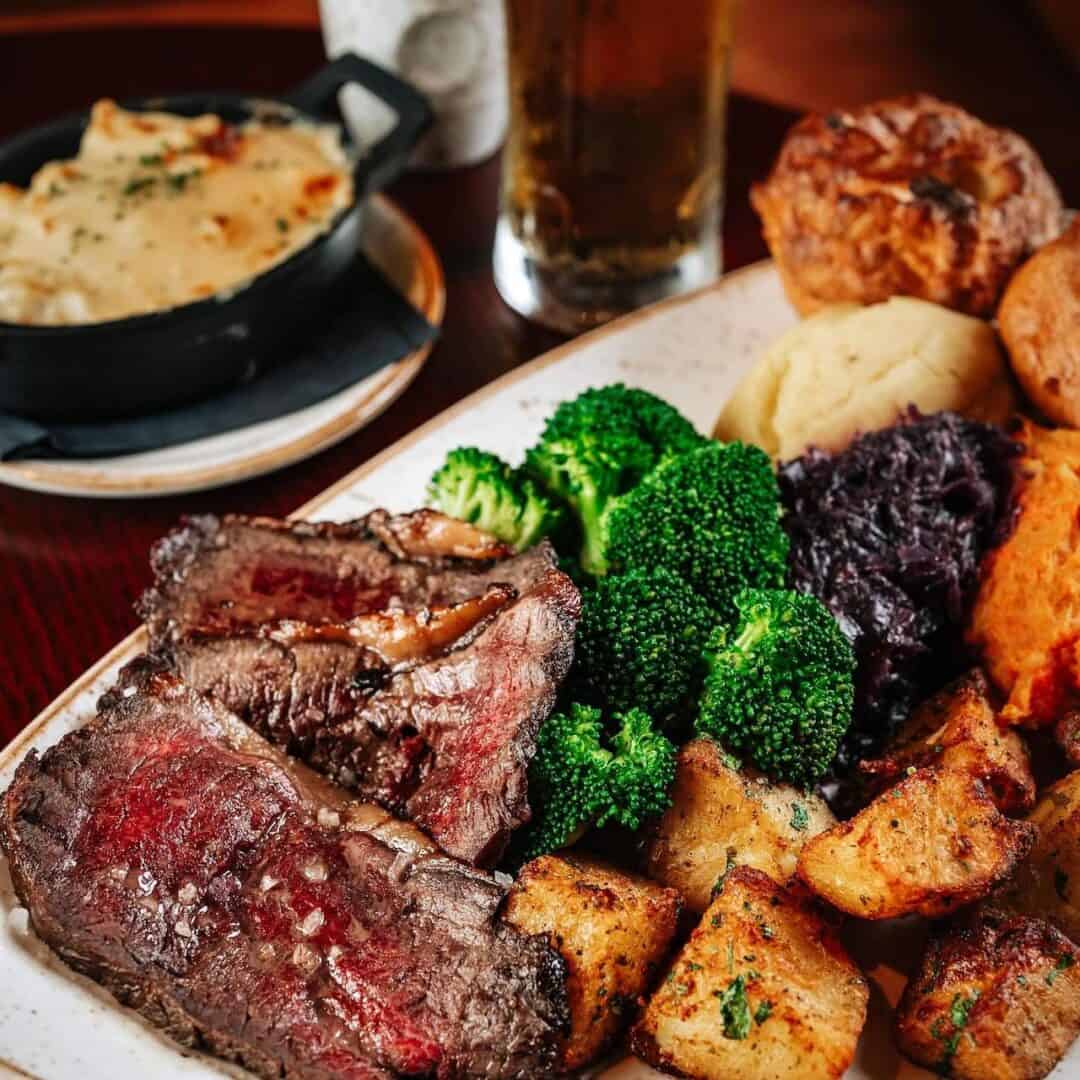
[908, 197]
[995, 999]
[612, 929]
[761, 990]
[957, 729]
[930, 844]
[1039, 319]
[1047, 883]
[721, 817]
[1026, 616]
[1067, 735]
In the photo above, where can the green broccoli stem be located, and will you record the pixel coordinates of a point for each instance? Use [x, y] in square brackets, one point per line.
[751, 634]
[594, 538]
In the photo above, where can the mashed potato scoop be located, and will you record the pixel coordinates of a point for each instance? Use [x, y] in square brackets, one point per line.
[851, 369]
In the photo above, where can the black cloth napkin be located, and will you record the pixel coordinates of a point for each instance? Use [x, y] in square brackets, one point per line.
[373, 326]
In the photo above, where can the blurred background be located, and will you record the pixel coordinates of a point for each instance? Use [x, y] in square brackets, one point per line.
[815, 54]
[1011, 61]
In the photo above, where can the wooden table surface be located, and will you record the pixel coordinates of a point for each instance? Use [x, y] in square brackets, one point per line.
[70, 569]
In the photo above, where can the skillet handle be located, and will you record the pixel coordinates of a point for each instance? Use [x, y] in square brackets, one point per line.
[385, 160]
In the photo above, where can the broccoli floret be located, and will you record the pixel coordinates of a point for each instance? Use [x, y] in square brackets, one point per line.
[640, 641]
[597, 447]
[567, 779]
[483, 490]
[712, 517]
[780, 686]
[576, 781]
[640, 772]
[539, 518]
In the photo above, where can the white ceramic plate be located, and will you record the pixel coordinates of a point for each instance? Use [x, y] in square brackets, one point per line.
[394, 243]
[57, 1026]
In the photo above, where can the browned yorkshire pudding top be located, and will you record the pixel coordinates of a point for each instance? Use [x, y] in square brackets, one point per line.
[911, 196]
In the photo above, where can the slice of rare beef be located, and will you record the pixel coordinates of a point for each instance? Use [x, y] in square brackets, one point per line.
[244, 905]
[409, 657]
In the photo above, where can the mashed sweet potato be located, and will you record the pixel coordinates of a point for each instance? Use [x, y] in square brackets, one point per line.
[1026, 618]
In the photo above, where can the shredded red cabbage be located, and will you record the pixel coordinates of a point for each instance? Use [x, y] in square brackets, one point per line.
[889, 534]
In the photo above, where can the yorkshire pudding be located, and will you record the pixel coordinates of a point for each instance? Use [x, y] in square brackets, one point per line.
[911, 197]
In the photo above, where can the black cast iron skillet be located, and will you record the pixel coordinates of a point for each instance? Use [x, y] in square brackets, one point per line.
[149, 362]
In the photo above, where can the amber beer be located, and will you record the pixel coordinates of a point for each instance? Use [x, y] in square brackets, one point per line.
[613, 168]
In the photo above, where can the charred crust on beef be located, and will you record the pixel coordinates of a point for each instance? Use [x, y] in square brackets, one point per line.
[445, 739]
[165, 844]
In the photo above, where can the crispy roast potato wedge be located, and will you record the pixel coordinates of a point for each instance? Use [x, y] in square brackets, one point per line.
[957, 729]
[930, 844]
[995, 999]
[612, 929]
[762, 990]
[722, 817]
[1047, 882]
[1067, 735]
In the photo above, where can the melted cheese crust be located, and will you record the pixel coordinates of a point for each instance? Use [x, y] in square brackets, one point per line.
[159, 210]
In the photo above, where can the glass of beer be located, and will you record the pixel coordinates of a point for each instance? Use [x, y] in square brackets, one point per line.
[613, 169]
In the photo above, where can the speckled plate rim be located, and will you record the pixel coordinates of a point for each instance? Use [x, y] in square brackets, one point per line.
[400, 248]
[651, 348]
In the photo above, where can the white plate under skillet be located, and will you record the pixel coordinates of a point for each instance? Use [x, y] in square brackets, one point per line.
[398, 247]
[57, 1026]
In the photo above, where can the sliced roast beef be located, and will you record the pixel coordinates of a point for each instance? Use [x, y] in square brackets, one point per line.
[409, 657]
[245, 906]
